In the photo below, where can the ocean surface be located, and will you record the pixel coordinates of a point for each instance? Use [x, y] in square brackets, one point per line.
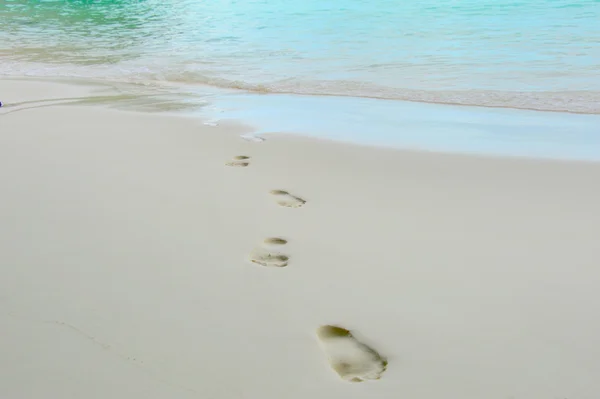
[530, 55]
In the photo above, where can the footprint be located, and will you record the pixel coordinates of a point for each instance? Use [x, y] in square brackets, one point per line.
[275, 241]
[240, 161]
[351, 359]
[286, 199]
[267, 255]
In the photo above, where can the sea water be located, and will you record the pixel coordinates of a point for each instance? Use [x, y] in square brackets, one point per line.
[350, 66]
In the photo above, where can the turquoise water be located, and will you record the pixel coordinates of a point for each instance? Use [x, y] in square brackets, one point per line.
[536, 54]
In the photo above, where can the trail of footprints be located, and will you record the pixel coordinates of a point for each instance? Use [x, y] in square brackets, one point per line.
[351, 359]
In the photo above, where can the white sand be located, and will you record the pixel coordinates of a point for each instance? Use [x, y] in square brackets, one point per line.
[124, 271]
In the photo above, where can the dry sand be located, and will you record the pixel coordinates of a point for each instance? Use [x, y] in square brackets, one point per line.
[126, 248]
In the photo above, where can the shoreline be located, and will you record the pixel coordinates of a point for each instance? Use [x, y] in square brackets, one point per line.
[494, 99]
[385, 124]
[401, 125]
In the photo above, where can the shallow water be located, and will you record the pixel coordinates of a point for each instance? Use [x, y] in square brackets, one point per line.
[538, 54]
[418, 126]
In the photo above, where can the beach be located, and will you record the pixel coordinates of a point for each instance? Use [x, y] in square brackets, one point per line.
[136, 261]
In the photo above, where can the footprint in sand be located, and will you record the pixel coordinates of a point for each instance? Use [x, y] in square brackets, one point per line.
[286, 199]
[268, 255]
[240, 161]
[351, 359]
